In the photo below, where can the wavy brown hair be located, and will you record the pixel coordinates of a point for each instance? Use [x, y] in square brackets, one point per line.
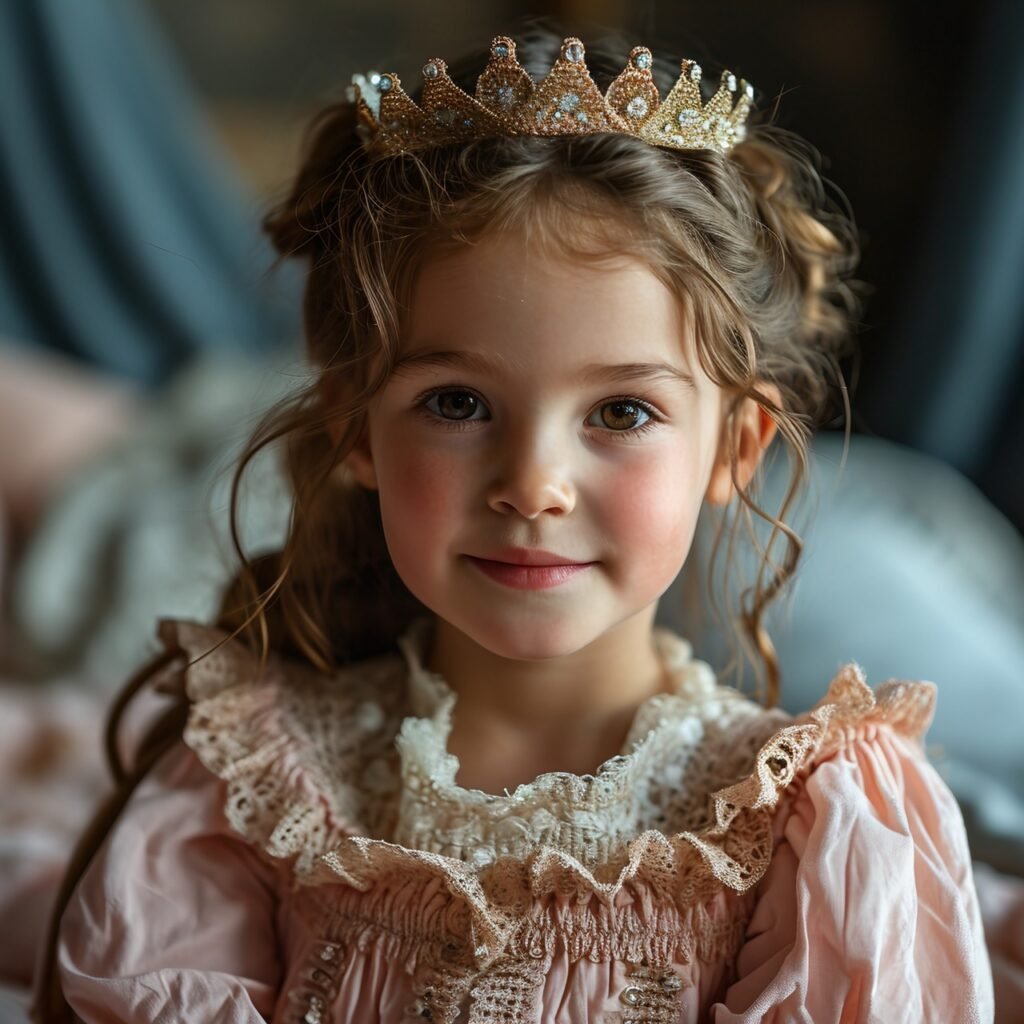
[748, 241]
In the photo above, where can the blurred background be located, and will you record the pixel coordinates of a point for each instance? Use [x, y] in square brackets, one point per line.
[142, 333]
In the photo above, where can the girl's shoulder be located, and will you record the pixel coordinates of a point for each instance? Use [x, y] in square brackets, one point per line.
[851, 721]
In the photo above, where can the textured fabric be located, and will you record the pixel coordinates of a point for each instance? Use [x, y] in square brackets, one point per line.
[306, 855]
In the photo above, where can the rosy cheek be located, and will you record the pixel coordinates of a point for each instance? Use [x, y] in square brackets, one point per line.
[651, 513]
[420, 495]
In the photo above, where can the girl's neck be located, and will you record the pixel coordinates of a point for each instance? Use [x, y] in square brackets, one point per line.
[515, 719]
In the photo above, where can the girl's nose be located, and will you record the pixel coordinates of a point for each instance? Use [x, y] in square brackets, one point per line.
[531, 481]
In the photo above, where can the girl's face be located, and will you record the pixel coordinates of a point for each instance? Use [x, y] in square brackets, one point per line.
[513, 420]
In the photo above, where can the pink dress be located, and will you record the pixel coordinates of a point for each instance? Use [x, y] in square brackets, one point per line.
[307, 856]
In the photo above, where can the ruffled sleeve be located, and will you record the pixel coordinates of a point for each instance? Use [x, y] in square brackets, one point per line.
[175, 917]
[867, 911]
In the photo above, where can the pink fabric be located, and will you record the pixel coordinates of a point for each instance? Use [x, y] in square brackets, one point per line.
[867, 913]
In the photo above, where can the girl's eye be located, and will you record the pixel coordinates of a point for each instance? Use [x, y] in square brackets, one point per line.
[622, 414]
[455, 407]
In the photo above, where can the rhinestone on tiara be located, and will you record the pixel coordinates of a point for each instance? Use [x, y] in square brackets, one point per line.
[507, 101]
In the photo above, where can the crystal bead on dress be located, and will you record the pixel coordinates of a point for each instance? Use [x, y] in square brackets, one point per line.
[314, 1014]
[671, 982]
[631, 996]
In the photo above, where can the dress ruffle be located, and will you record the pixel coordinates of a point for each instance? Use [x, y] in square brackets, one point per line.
[252, 729]
[265, 732]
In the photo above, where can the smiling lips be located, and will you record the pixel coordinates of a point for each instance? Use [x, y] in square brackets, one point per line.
[529, 568]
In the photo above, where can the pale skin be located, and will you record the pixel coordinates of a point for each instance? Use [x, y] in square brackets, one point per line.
[547, 680]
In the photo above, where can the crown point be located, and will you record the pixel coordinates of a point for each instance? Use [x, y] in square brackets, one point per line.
[748, 90]
[730, 80]
[572, 50]
[502, 47]
[692, 70]
[374, 78]
[431, 69]
[641, 58]
[386, 82]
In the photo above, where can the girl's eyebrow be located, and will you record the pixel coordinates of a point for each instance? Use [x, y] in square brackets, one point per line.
[594, 373]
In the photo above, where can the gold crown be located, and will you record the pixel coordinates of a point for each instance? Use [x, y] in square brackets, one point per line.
[566, 102]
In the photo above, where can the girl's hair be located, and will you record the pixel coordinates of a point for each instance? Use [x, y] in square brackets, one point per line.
[747, 240]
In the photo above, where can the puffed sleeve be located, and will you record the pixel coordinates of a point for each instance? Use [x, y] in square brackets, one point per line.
[175, 918]
[868, 910]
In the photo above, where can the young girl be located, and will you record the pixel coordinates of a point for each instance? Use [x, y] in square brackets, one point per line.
[437, 760]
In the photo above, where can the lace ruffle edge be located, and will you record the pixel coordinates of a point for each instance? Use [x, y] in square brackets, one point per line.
[240, 730]
[236, 729]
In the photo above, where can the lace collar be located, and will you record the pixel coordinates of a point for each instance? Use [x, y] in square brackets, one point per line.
[341, 779]
[590, 816]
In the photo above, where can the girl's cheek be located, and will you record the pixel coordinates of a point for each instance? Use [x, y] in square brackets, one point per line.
[419, 484]
[650, 518]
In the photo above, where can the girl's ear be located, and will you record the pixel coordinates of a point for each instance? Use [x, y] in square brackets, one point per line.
[359, 461]
[748, 435]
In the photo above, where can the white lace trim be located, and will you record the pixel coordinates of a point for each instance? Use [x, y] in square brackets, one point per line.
[671, 760]
[320, 770]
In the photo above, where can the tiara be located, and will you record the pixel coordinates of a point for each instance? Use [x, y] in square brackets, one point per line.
[566, 102]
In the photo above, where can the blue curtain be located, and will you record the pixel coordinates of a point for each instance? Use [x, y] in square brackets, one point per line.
[125, 240]
[962, 330]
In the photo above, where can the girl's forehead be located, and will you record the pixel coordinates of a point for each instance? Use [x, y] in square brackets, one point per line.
[503, 306]
[525, 296]
[502, 261]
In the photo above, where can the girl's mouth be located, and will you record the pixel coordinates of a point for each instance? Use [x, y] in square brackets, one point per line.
[529, 577]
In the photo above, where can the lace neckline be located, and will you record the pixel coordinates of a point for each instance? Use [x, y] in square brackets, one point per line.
[590, 815]
[340, 777]
[432, 703]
